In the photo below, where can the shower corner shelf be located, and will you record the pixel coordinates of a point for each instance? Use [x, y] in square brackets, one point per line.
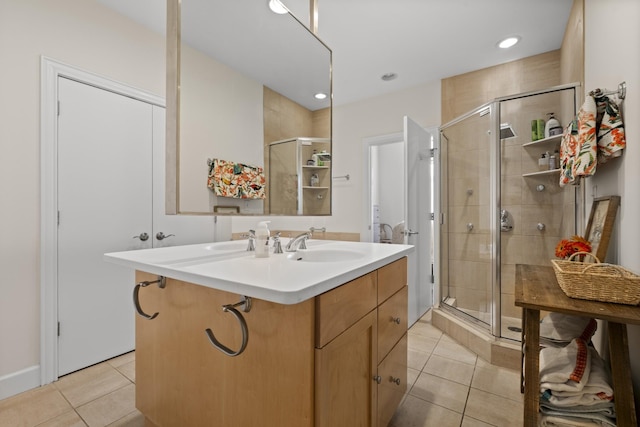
[541, 173]
[554, 138]
[306, 187]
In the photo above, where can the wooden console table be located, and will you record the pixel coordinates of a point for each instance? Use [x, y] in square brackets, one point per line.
[536, 290]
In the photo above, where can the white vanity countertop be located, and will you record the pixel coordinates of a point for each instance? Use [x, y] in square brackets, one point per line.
[281, 278]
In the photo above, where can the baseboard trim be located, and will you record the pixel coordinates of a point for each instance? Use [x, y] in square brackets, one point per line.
[17, 382]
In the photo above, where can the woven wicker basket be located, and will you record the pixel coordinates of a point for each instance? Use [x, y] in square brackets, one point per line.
[597, 281]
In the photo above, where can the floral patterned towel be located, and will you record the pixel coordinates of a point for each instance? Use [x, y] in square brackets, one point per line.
[594, 136]
[611, 139]
[237, 180]
[578, 149]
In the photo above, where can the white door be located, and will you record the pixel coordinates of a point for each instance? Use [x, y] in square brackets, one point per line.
[104, 200]
[418, 221]
[111, 169]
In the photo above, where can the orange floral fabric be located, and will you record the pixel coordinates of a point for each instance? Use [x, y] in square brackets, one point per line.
[593, 137]
[237, 180]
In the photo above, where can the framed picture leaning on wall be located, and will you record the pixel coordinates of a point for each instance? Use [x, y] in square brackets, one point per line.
[600, 225]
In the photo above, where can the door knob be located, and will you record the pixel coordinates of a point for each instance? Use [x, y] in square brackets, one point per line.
[161, 236]
[142, 236]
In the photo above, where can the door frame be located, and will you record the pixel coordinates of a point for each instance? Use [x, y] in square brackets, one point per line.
[50, 71]
[366, 232]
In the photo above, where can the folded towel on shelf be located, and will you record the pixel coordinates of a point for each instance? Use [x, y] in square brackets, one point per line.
[558, 329]
[597, 392]
[555, 419]
[565, 368]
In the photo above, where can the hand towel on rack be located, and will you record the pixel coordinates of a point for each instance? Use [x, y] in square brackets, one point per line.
[578, 148]
[237, 180]
[610, 129]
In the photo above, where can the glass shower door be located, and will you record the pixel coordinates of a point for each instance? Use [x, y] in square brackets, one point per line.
[466, 238]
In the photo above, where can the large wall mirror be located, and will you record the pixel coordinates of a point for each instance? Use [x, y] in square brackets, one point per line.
[246, 134]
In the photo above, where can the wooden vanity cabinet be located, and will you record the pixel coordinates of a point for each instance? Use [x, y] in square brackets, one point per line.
[361, 374]
[339, 359]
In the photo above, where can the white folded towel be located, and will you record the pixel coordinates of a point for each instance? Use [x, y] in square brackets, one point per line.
[596, 391]
[562, 328]
[565, 368]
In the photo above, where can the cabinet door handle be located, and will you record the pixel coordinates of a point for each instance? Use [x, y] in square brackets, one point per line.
[395, 380]
[396, 320]
[377, 379]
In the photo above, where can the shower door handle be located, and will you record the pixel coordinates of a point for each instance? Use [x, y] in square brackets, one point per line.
[409, 232]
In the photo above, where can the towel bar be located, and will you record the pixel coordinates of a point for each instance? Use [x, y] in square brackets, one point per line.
[162, 282]
[231, 308]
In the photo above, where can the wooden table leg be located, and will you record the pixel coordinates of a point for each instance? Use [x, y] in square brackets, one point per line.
[531, 367]
[522, 346]
[621, 375]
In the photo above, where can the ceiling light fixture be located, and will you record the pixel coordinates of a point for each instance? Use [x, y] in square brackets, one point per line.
[389, 76]
[276, 6]
[508, 42]
[320, 95]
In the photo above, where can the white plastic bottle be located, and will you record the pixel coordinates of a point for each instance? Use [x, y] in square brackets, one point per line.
[262, 239]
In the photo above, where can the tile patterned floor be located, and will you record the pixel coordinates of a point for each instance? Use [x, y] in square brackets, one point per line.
[448, 386]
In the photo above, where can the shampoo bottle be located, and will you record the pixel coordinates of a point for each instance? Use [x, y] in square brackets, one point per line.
[552, 127]
[262, 239]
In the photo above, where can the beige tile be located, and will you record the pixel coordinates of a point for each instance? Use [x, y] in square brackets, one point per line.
[128, 370]
[421, 343]
[449, 369]
[480, 345]
[452, 350]
[32, 407]
[440, 391]
[68, 419]
[107, 409]
[425, 329]
[499, 381]
[134, 419]
[415, 412]
[506, 355]
[494, 410]
[123, 359]
[472, 422]
[416, 359]
[90, 383]
[412, 376]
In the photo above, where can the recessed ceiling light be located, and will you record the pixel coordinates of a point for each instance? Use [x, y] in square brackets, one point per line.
[276, 6]
[389, 76]
[508, 42]
[320, 95]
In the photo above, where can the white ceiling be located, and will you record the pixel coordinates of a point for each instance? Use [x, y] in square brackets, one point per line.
[420, 40]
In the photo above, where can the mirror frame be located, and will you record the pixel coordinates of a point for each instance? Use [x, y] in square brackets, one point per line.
[172, 141]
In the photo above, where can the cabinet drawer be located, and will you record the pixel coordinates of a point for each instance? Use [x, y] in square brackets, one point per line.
[392, 322]
[343, 306]
[391, 278]
[393, 383]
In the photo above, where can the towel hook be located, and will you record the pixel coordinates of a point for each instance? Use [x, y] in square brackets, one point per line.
[162, 282]
[231, 308]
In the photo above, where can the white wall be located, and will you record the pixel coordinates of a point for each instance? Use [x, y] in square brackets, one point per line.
[391, 172]
[83, 34]
[351, 124]
[611, 57]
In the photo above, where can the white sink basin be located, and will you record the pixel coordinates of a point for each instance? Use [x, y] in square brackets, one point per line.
[325, 255]
[236, 245]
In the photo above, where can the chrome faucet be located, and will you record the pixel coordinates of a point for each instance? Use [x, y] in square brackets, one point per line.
[251, 238]
[298, 242]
